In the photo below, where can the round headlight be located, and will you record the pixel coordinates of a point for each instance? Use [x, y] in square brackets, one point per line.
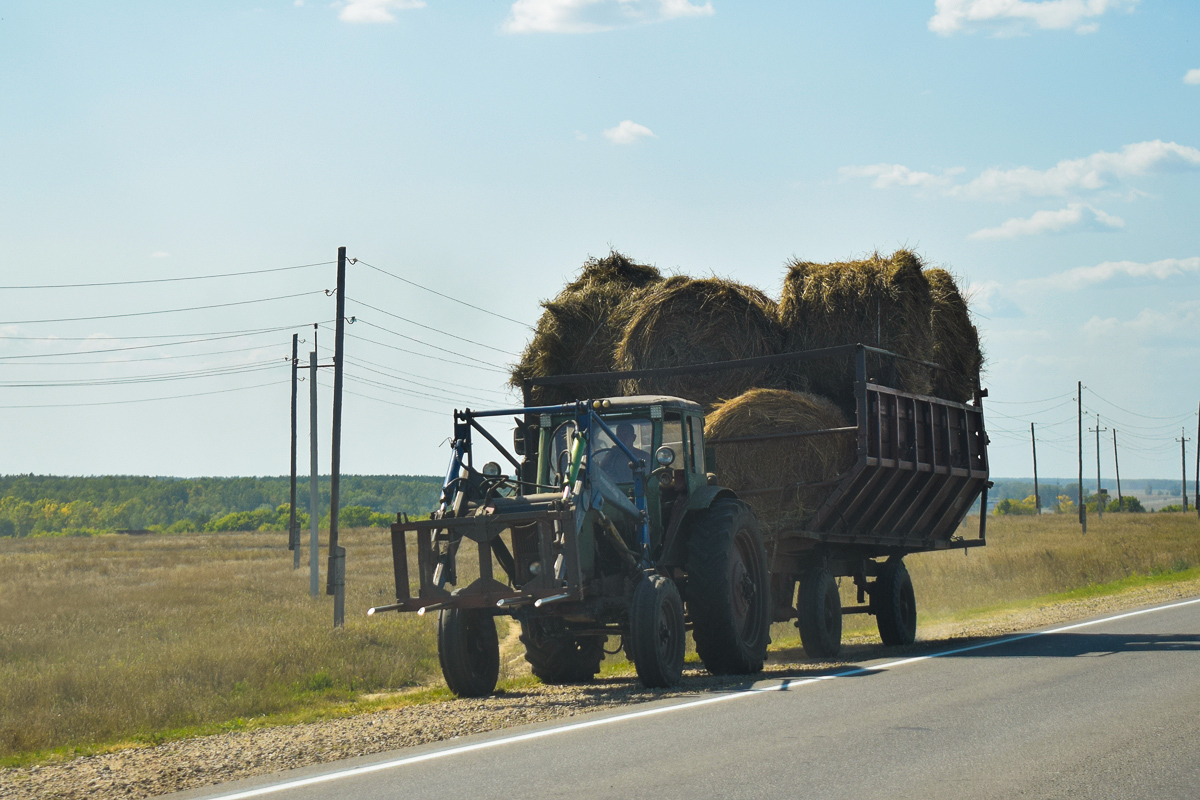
[491, 469]
[665, 456]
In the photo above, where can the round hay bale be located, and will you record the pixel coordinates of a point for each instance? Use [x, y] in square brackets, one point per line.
[955, 340]
[782, 465]
[879, 301]
[696, 321]
[579, 329]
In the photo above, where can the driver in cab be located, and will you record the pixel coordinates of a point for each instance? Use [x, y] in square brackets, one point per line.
[615, 463]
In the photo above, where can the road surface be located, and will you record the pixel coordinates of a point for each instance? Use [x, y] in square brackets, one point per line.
[1108, 708]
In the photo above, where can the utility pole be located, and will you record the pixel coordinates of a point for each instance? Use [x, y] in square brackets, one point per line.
[1079, 420]
[1037, 497]
[1117, 463]
[1183, 440]
[314, 497]
[1197, 503]
[1099, 488]
[293, 531]
[336, 574]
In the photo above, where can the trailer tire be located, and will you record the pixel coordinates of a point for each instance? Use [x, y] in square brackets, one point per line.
[729, 589]
[657, 632]
[820, 621]
[561, 659]
[894, 604]
[469, 651]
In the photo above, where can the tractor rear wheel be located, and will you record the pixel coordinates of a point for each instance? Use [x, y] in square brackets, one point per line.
[561, 659]
[656, 632]
[469, 651]
[894, 604]
[820, 621]
[729, 589]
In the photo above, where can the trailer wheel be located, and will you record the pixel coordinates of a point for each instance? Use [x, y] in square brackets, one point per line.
[656, 632]
[729, 589]
[561, 659]
[469, 651]
[894, 604]
[820, 621]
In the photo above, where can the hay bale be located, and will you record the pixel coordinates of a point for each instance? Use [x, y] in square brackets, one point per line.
[579, 329]
[879, 301]
[780, 464]
[695, 321]
[955, 340]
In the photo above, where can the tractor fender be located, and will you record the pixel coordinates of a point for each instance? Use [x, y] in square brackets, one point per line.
[703, 497]
[674, 550]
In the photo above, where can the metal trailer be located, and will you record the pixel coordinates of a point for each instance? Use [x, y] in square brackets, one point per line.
[921, 463]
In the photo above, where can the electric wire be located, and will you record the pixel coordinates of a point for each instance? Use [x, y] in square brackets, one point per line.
[148, 399]
[431, 328]
[426, 355]
[425, 344]
[219, 334]
[446, 395]
[151, 359]
[439, 294]
[176, 376]
[166, 280]
[409, 376]
[162, 311]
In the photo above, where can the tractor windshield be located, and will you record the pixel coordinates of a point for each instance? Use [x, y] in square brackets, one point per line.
[606, 455]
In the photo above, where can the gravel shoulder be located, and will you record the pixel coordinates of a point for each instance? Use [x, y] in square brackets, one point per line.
[139, 772]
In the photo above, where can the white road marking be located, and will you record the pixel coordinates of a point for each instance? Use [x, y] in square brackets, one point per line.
[649, 712]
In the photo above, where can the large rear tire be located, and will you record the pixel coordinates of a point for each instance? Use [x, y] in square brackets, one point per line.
[729, 589]
[561, 659]
[820, 621]
[894, 604]
[657, 633]
[469, 651]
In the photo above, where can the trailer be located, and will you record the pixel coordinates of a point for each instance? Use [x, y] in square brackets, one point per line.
[591, 537]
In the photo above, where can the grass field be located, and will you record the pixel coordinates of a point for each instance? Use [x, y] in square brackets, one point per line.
[113, 638]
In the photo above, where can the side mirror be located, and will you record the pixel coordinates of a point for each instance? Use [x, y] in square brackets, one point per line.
[519, 440]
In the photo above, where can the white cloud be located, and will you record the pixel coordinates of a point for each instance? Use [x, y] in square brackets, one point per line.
[1192, 76]
[591, 16]
[374, 11]
[1179, 322]
[1080, 277]
[580, 136]
[159, 254]
[1076, 215]
[1015, 16]
[888, 175]
[1088, 173]
[628, 132]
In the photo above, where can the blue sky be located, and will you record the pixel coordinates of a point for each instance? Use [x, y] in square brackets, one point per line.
[1046, 152]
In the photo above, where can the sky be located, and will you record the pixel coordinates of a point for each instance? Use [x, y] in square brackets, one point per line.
[471, 156]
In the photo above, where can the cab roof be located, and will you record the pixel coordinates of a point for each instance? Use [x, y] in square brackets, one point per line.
[646, 400]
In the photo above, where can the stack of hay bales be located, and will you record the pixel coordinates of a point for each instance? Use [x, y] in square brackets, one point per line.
[683, 321]
[954, 340]
[789, 467]
[880, 301]
[579, 329]
[620, 315]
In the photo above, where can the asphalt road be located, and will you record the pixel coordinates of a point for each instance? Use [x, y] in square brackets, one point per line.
[1102, 709]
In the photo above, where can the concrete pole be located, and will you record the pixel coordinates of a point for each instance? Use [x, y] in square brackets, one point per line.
[314, 498]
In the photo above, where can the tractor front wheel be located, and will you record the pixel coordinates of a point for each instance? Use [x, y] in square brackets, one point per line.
[656, 632]
[469, 651]
[563, 658]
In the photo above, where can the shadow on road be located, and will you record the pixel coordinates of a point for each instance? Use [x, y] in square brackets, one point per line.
[1075, 645]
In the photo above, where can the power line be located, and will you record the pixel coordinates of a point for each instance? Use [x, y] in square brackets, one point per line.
[146, 359]
[148, 399]
[163, 311]
[219, 334]
[170, 376]
[408, 376]
[425, 355]
[426, 344]
[439, 294]
[1136, 414]
[431, 328]
[166, 280]
[1030, 402]
[473, 399]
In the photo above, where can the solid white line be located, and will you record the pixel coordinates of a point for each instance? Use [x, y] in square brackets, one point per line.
[704, 701]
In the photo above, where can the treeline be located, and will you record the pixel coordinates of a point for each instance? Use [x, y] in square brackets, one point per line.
[44, 504]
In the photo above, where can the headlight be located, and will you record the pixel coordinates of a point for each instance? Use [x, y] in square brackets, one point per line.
[491, 469]
[665, 456]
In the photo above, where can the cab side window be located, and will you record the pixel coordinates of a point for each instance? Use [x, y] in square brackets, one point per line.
[697, 440]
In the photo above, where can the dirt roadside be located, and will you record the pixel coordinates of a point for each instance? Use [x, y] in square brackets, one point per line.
[187, 764]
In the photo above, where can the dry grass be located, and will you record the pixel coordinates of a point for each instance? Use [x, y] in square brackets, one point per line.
[114, 637]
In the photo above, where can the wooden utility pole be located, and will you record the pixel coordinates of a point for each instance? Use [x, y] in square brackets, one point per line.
[1099, 488]
[1183, 440]
[293, 531]
[1117, 464]
[1079, 420]
[1197, 498]
[336, 573]
[314, 497]
[1037, 497]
